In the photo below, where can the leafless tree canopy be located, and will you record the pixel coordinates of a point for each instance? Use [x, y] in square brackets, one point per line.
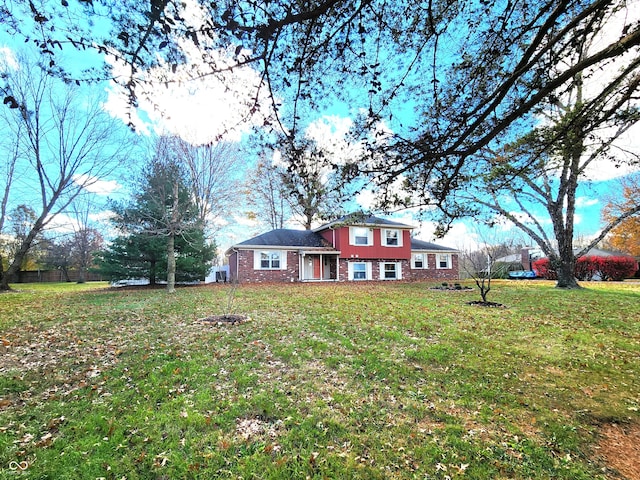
[213, 176]
[448, 77]
[438, 84]
[64, 143]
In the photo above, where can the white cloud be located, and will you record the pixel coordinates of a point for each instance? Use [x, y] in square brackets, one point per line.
[276, 159]
[104, 216]
[191, 100]
[366, 199]
[245, 221]
[577, 219]
[8, 60]
[95, 185]
[459, 236]
[582, 202]
[203, 110]
[63, 224]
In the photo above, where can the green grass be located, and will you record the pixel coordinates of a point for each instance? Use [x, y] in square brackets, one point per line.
[389, 380]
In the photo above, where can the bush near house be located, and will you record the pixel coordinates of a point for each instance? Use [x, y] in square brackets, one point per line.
[591, 267]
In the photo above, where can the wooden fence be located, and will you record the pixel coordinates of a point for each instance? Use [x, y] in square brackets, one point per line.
[38, 276]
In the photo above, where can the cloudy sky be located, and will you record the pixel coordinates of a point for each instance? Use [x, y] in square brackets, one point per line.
[213, 108]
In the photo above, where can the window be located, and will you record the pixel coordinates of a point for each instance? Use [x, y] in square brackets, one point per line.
[359, 270]
[270, 260]
[419, 260]
[390, 271]
[444, 260]
[392, 238]
[360, 236]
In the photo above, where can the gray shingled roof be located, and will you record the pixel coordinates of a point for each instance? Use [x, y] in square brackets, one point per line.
[422, 245]
[358, 219]
[284, 237]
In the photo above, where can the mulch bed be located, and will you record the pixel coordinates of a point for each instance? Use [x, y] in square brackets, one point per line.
[228, 319]
[480, 303]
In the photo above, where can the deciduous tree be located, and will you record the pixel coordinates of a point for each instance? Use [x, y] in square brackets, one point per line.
[267, 195]
[212, 172]
[625, 237]
[448, 77]
[314, 190]
[64, 141]
[162, 207]
[533, 181]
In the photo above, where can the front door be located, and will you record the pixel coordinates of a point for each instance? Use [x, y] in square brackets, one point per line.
[316, 267]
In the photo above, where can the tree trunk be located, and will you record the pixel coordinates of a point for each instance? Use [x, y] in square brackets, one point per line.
[65, 272]
[2, 273]
[82, 274]
[152, 272]
[565, 271]
[171, 264]
[14, 268]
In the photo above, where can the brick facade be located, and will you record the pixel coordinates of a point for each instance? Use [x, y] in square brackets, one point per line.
[241, 269]
[244, 260]
[408, 273]
[370, 240]
[433, 273]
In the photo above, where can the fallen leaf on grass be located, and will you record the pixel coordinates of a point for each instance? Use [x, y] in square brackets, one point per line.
[45, 440]
[161, 460]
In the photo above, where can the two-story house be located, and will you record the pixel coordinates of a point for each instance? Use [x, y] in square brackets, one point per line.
[354, 248]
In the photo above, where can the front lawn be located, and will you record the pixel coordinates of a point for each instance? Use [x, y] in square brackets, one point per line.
[370, 380]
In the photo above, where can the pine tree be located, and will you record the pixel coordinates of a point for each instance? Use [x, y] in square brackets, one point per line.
[162, 234]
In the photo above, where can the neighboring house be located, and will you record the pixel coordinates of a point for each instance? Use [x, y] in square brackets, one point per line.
[523, 260]
[351, 248]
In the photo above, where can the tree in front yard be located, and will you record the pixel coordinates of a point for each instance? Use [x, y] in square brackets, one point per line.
[141, 256]
[162, 215]
[533, 181]
[64, 142]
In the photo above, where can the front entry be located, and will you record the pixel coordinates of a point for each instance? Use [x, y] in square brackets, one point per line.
[312, 267]
[319, 267]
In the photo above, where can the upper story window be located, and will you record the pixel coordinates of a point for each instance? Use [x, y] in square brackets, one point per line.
[360, 236]
[392, 237]
[444, 260]
[270, 260]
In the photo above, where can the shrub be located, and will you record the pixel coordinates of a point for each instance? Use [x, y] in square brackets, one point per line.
[618, 268]
[543, 267]
[590, 267]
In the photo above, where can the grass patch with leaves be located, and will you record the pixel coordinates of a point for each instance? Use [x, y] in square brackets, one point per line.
[373, 380]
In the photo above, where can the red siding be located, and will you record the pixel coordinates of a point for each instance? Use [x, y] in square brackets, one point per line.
[375, 251]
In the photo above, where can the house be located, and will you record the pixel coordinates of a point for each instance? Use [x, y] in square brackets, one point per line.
[354, 248]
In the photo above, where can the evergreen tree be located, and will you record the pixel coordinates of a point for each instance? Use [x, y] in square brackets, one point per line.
[162, 233]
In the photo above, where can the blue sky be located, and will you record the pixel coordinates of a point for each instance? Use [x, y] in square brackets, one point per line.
[201, 110]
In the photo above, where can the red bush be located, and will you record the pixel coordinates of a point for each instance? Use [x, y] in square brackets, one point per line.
[543, 267]
[618, 268]
[588, 268]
